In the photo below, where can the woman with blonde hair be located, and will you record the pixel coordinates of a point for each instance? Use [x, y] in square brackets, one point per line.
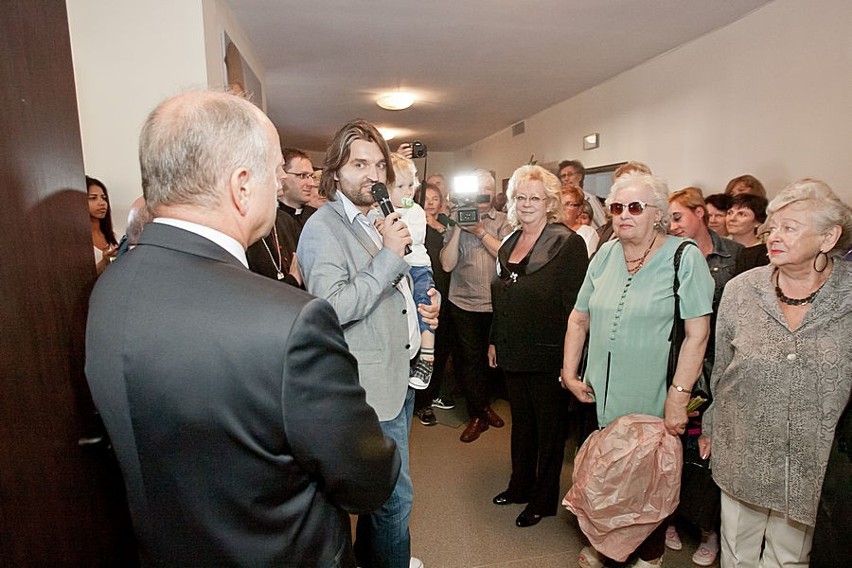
[540, 268]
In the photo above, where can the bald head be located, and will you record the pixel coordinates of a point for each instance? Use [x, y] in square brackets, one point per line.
[191, 143]
[212, 158]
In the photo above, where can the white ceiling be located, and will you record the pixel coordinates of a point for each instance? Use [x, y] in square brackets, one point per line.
[479, 65]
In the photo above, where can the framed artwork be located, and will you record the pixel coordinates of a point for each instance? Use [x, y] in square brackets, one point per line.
[239, 75]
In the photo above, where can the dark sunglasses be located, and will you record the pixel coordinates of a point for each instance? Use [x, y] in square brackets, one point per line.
[634, 207]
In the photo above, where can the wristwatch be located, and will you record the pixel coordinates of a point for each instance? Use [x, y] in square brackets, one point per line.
[679, 388]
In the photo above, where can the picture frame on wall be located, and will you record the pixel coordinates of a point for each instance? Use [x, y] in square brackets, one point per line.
[239, 76]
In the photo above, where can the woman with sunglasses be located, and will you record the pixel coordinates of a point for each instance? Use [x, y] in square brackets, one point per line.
[626, 305]
[540, 268]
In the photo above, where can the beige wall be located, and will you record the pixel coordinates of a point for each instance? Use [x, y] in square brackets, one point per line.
[769, 95]
[128, 57]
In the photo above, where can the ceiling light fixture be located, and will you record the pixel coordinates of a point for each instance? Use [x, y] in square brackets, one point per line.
[395, 101]
[388, 133]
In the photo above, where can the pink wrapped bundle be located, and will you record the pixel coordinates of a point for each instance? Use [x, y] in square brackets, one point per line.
[626, 482]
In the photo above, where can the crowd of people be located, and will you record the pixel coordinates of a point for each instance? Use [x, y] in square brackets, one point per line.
[251, 443]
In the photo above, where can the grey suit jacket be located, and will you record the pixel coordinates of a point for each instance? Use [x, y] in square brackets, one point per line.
[340, 263]
[234, 409]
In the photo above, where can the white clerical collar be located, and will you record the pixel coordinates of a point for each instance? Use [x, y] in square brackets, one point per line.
[227, 242]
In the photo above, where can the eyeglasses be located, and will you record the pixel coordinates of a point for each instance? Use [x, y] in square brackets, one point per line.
[634, 207]
[532, 200]
[304, 176]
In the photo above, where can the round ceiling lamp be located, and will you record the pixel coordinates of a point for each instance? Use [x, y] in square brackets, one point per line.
[396, 101]
[388, 133]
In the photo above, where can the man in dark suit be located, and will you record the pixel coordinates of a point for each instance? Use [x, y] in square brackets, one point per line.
[232, 402]
[360, 269]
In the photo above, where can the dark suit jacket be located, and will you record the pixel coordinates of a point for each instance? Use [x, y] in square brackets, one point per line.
[531, 309]
[234, 408]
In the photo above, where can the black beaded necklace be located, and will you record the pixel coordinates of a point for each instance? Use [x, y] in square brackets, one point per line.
[795, 301]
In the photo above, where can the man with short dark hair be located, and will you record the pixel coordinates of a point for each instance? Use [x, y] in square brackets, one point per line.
[360, 269]
[571, 173]
[298, 186]
[232, 402]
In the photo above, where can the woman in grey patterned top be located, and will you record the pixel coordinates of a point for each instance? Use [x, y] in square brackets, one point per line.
[782, 377]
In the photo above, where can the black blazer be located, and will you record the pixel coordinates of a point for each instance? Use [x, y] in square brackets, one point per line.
[532, 301]
[234, 408]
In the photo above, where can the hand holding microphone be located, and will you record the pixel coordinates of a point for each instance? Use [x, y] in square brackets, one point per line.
[393, 234]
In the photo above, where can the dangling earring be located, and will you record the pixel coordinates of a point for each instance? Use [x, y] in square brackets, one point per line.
[657, 225]
[824, 265]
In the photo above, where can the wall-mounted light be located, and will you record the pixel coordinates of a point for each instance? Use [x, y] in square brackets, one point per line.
[396, 100]
[591, 141]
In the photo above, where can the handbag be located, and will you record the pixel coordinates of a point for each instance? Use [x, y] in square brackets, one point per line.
[678, 333]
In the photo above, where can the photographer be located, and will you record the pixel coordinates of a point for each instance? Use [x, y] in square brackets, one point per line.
[469, 254]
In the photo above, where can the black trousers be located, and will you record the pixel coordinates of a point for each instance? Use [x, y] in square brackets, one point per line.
[539, 421]
[472, 332]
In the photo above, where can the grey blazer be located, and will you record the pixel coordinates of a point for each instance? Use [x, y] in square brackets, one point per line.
[340, 263]
[233, 405]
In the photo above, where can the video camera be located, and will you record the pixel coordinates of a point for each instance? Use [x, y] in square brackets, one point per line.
[466, 198]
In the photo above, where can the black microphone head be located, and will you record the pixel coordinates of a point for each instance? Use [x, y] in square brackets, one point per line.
[380, 196]
[379, 191]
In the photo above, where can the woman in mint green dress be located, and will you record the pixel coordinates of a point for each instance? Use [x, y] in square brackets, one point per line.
[626, 305]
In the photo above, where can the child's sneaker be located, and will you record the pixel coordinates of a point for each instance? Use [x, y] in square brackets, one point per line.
[420, 375]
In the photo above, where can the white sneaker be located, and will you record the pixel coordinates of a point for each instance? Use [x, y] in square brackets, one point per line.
[707, 551]
[673, 539]
[415, 563]
[645, 564]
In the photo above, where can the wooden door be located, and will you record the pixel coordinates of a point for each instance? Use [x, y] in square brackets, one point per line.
[60, 504]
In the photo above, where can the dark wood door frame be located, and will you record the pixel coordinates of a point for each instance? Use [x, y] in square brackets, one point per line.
[60, 504]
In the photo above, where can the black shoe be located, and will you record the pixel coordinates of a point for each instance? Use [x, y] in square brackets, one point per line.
[426, 416]
[504, 499]
[526, 519]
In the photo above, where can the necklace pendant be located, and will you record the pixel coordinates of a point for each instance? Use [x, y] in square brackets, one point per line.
[514, 277]
[280, 275]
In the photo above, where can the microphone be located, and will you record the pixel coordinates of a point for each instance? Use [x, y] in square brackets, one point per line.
[380, 195]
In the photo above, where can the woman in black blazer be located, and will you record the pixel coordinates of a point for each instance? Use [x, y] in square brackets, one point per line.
[541, 267]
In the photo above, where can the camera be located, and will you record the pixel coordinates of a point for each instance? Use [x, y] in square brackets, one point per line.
[465, 196]
[418, 149]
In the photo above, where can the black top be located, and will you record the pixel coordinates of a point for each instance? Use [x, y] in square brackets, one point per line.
[263, 255]
[752, 257]
[434, 242]
[533, 298]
